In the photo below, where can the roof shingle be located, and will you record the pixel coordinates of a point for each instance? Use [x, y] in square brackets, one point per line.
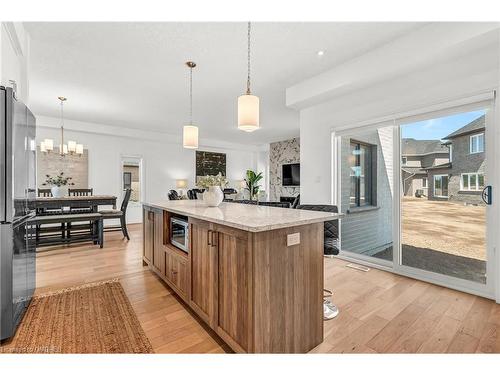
[412, 146]
[472, 127]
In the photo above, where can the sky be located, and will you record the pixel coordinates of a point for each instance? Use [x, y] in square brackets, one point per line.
[440, 127]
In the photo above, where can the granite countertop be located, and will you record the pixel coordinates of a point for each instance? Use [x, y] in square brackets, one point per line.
[251, 218]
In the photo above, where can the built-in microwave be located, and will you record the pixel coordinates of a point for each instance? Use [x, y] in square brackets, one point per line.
[179, 233]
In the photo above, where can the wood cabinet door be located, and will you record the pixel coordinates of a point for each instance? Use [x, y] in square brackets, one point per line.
[169, 267]
[176, 271]
[203, 294]
[148, 233]
[181, 275]
[158, 248]
[234, 319]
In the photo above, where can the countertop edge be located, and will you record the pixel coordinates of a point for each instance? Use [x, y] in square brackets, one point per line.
[252, 229]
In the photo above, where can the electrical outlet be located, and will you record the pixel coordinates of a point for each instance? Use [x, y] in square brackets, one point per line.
[293, 239]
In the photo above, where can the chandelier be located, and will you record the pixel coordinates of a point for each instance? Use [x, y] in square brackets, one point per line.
[72, 148]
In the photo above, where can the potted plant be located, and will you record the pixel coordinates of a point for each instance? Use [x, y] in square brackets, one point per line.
[213, 186]
[58, 184]
[252, 179]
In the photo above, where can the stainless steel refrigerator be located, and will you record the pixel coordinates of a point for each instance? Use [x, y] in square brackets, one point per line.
[17, 209]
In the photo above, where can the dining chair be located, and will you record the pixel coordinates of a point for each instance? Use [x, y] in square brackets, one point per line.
[77, 192]
[173, 195]
[118, 214]
[331, 247]
[80, 192]
[48, 229]
[44, 193]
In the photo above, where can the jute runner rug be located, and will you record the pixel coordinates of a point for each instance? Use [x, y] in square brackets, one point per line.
[91, 318]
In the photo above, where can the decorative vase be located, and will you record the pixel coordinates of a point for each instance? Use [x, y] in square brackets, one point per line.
[214, 196]
[58, 191]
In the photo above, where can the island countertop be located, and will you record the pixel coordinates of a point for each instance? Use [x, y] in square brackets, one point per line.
[251, 218]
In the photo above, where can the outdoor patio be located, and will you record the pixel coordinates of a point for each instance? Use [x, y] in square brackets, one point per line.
[443, 237]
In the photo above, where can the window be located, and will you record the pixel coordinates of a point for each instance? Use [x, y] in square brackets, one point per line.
[441, 186]
[424, 182]
[362, 164]
[404, 160]
[477, 143]
[472, 181]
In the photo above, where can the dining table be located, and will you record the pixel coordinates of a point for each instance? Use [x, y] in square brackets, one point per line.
[42, 204]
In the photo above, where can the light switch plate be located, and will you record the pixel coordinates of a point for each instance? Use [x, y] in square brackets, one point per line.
[293, 239]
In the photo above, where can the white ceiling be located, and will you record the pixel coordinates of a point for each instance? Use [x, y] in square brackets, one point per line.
[133, 74]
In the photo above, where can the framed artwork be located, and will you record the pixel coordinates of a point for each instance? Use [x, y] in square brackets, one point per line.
[210, 163]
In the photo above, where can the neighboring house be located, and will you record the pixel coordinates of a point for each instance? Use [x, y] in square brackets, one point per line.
[463, 178]
[417, 156]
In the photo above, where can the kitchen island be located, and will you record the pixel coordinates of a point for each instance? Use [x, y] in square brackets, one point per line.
[253, 274]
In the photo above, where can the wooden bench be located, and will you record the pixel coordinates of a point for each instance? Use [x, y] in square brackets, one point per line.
[95, 235]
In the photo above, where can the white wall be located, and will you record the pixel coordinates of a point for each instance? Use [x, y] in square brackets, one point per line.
[164, 158]
[14, 57]
[468, 74]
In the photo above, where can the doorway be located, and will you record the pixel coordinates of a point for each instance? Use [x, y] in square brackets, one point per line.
[443, 231]
[131, 177]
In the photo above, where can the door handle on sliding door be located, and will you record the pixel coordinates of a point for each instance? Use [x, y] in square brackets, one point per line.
[486, 195]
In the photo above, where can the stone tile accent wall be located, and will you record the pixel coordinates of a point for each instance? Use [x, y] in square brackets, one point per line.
[72, 165]
[284, 152]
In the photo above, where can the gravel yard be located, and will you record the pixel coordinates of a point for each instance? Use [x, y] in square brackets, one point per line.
[447, 227]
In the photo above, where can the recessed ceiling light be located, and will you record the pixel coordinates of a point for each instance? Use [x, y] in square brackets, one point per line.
[321, 53]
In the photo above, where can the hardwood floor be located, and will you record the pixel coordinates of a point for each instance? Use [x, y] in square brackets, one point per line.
[379, 312]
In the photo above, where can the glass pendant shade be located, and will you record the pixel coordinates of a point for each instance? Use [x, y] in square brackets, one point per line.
[63, 149]
[49, 144]
[248, 112]
[72, 146]
[79, 149]
[42, 147]
[190, 136]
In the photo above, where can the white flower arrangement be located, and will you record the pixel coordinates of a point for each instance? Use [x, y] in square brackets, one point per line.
[208, 181]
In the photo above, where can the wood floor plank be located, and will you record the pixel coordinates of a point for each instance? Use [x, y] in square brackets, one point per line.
[441, 338]
[490, 340]
[395, 328]
[463, 343]
[475, 321]
[418, 332]
[359, 337]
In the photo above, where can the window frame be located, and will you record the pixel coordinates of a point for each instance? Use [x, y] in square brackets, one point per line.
[434, 185]
[469, 174]
[371, 190]
[471, 143]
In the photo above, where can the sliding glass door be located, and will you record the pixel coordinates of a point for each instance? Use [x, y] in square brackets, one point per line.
[417, 195]
[444, 229]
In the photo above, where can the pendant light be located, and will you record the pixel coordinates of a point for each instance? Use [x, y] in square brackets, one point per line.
[47, 145]
[190, 132]
[248, 104]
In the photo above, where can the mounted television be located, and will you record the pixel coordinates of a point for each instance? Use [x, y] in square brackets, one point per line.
[290, 174]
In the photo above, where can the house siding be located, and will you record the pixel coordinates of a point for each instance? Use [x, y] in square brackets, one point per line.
[465, 162]
[368, 232]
